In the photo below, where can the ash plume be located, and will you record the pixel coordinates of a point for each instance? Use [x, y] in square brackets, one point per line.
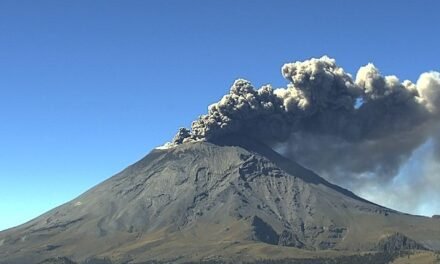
[350, 130]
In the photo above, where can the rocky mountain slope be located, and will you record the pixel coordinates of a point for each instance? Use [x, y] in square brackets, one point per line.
[234, 199]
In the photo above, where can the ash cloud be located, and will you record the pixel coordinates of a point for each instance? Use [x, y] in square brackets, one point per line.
[353, 131]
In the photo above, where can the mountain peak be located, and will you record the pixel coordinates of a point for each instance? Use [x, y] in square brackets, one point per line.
[217, 195]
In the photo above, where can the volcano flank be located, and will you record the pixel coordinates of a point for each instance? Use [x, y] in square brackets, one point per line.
[234, 199]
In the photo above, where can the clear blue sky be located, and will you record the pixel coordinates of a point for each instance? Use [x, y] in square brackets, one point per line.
[89, 87]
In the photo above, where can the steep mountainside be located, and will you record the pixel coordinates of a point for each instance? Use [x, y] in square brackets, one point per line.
[235, 199]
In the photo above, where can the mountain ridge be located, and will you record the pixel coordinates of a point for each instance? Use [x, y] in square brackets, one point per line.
[203, 199]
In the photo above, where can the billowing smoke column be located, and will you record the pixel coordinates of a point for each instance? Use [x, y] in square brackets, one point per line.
[321, 99]
[348, 130]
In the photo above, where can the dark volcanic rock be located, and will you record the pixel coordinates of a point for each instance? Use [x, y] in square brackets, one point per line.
[398, 242]
[288, 238]
[264, 232]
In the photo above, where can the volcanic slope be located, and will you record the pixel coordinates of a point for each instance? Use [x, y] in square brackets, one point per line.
[235, 199]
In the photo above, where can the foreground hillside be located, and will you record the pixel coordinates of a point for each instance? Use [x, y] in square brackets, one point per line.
[403, 257]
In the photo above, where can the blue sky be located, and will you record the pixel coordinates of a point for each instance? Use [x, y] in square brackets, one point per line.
[89, 87]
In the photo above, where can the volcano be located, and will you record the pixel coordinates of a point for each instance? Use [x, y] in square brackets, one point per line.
[233, 199]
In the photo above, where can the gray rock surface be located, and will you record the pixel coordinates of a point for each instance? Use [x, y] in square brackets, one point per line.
[396, 242]
[200, 200]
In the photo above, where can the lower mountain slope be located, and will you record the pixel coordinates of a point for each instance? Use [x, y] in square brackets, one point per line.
[234, 200]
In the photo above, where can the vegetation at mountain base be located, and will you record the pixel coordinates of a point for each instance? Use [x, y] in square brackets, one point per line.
[400, 257]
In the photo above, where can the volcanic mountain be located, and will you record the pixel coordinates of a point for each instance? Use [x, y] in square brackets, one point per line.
[233, 199]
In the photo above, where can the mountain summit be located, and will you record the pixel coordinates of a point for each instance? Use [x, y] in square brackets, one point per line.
[232, 199]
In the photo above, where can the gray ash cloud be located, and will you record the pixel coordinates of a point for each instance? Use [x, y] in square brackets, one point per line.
[342, 127]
